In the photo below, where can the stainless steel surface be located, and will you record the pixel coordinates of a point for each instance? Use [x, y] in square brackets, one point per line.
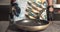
[33, 28]
[32, 25]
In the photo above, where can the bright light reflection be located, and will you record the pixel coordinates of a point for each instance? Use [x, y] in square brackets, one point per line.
[25, 21]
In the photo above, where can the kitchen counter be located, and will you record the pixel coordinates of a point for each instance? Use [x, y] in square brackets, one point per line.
[54, 27]
[3, 25]
[5, 8]
[5, 2]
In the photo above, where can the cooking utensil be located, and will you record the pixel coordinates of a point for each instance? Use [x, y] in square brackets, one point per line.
[32, 25]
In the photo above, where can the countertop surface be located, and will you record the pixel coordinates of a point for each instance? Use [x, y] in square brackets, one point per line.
[5, 2]
[54, 27]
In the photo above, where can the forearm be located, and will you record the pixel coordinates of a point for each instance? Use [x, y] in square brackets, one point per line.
[50, 2]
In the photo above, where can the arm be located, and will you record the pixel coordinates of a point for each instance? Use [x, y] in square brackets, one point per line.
[50, 2]
[50, 5]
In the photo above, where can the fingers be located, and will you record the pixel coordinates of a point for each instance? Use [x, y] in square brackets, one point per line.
[30, 17]
[34, 10]
[51, 9]
[43, 1]
[30, 14]
[34, 6]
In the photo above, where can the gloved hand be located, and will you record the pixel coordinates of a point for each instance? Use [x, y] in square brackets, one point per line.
[35, 10]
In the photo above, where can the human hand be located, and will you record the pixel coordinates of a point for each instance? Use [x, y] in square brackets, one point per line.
[51, 9]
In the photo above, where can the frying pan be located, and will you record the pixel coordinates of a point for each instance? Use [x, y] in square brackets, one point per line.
[32, 24]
